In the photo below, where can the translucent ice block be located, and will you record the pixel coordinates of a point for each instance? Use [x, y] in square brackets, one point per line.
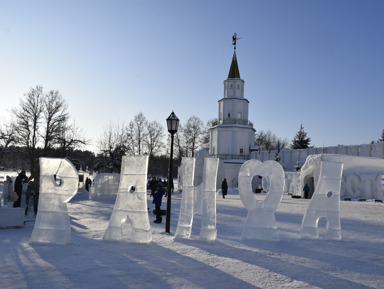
[261, 222]
[58, 184]
[208, 228]
[325, 203]
[131, 203]
[184, 225]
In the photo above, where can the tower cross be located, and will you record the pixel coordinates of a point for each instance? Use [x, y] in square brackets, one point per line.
[234, 39]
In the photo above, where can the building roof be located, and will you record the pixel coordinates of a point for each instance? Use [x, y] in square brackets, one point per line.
[234, 70]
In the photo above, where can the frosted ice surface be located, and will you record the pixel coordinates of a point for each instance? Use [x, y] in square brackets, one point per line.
[184, 225]
[198, 184]
[325, 203]
[261, 222]
[58, 184]
[208, 228]
[130, 208]
[105, 186]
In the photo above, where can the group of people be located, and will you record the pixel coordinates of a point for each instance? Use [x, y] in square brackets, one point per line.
[153, 184]
[14, 191]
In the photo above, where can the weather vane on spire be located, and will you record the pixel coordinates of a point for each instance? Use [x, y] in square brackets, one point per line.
[234, 39]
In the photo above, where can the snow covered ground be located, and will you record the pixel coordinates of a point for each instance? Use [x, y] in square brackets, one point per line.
[357, 261]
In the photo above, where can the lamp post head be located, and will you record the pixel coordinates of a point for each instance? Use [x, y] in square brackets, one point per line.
[172, 123]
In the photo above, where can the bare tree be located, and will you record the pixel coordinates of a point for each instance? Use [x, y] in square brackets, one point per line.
[70, 138]
[7, 133]
[113, 146]
[206, 137]
[114, 135]
[7, 137]
[28, 121]
[178, 142]
[55, 121]
[269, 141]
[192, 133]
[154, 140]
[137, 134]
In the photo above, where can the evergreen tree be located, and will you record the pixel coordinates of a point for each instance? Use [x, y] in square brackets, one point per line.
[300, 141]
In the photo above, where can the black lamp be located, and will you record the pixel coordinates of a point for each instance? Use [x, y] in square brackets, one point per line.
[173, 125]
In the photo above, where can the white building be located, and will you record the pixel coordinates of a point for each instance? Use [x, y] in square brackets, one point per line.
[232, 134]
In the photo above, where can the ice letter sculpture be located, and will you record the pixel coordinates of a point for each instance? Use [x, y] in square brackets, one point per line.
[131, 202]
[58, 184]
[325, 203]
[208, 228]
[184, 225]
[261, 222]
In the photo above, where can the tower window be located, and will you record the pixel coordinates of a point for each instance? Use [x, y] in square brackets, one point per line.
[229, 115]
[239, 115]
[241, 151]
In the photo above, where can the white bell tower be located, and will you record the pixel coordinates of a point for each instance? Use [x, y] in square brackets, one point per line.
[232, 134]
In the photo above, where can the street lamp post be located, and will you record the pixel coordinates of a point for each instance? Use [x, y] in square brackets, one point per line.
[173, 125]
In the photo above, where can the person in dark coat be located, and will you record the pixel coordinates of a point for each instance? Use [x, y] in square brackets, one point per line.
[19, 188]
[306, 191]
[224, 188]
[157, 198]
[36, 177]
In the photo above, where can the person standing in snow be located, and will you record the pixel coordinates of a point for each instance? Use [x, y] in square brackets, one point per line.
[306, 191]
[19, 188]
[157, 198]
[36, 177]
[224, 188]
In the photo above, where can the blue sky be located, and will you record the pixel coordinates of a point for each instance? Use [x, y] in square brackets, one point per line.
[319, 63]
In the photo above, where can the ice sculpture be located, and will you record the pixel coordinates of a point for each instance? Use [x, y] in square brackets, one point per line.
[131, 202]
[105, 186]
[204, 194]
[261, 222]
[184, 225]
[58, 184]
[208, 228]
[325, 203]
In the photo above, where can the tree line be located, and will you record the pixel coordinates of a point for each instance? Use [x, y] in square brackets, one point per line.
[42, 127]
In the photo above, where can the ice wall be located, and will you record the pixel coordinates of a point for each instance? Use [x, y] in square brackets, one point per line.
[105, 186]
[58, 184]
[325, 203]
[131, 203]
[288, 158]
[361, 175]
[261, 222]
